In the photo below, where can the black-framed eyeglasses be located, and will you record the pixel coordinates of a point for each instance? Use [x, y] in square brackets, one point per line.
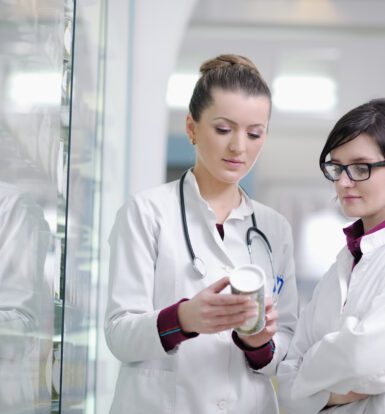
[356, 172]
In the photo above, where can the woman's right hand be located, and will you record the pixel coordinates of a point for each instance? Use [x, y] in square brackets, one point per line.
[340, 399]
[211, 312]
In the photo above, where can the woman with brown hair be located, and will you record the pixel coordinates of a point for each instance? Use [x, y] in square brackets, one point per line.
[170, 317]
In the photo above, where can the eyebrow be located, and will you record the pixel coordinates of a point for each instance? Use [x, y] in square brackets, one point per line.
[354, 160]
[235, 123]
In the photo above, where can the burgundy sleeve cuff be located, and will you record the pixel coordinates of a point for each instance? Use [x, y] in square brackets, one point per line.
[169, 330]
[256, 357]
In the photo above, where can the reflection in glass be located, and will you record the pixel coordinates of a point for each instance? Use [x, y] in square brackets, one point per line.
[35, 48]
[25, 303]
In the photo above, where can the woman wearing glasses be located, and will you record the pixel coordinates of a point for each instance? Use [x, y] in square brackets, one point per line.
[336, 362]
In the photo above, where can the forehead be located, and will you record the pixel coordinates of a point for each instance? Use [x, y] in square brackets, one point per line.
[361, 147]
[238, 106]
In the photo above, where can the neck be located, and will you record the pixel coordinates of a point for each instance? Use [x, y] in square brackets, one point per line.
[370, 222]
[221, 197]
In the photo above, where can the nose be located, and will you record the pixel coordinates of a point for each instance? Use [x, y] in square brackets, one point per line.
[237, 143]
[344, 180]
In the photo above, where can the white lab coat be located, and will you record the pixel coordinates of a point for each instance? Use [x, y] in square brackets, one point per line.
[150, 269]
[339, 343]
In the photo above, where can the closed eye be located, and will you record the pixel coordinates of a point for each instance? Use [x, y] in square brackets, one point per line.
[222, 131]
[254, 135]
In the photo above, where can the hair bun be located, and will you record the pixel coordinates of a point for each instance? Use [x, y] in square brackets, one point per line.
[227, 72]
[224, 61]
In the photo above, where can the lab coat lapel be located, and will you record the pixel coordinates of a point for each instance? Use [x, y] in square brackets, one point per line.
[344, 267]
[236, 226]
[233, 250]
[199, 211]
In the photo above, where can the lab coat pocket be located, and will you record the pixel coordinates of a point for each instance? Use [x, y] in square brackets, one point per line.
[143, 391]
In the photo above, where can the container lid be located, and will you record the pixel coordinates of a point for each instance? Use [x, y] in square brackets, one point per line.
[247, 278]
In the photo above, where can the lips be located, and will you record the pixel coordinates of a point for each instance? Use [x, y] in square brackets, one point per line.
[350, 197]
[233, 161]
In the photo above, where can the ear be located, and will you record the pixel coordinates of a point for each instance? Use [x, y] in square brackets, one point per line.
[190, 128]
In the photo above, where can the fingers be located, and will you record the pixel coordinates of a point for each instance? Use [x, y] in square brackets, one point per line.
[227, 299]
[222, 323]
[270, 310]
[355, 396]
[339, 399]
[269, 304]
[271, 317]
[215, 311]
[226, 310]
[228, 313]
[219, 285]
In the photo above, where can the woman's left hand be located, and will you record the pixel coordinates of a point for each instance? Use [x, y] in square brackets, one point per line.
[261, 338]
[341, 399]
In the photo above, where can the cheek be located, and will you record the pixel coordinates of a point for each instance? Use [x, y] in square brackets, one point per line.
[208, 148]
[376, 196]
[374, 189]
[255, 148]
[212, 147]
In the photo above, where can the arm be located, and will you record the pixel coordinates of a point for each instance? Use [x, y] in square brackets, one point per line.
[24, 236]
[131, 322]
[206, 312]
[169, 329]
[348, 353]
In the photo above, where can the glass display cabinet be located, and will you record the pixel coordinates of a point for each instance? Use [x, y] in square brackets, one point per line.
[50, 160]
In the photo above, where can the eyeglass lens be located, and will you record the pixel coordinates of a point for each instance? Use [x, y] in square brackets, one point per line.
[354, 171]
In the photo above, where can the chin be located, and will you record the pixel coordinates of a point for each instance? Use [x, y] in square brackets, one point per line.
[229, 178]
[353, 213]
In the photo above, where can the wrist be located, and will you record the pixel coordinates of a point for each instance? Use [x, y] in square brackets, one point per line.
[247, 345]
[254, 342]
[182, 312]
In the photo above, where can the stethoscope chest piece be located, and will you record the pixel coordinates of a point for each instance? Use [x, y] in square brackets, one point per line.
[199, 267]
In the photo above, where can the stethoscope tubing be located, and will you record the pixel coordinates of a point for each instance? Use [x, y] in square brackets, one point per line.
[184, 219]
[198, 263]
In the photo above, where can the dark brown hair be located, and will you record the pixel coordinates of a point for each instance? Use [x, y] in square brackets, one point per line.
[227, 72]
[368, 118]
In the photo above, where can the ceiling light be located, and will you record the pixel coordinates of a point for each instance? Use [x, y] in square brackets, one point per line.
[304, 93]
[30, 90]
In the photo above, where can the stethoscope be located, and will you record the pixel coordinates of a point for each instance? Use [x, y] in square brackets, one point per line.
[199, 265]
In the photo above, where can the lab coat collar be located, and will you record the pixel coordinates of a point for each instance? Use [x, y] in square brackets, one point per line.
[372, 241]
[369, 243]
[245, 209]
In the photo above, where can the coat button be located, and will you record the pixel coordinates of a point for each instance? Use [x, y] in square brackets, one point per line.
[222, 404]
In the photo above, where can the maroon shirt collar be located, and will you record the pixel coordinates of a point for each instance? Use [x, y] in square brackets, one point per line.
[354, 234]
